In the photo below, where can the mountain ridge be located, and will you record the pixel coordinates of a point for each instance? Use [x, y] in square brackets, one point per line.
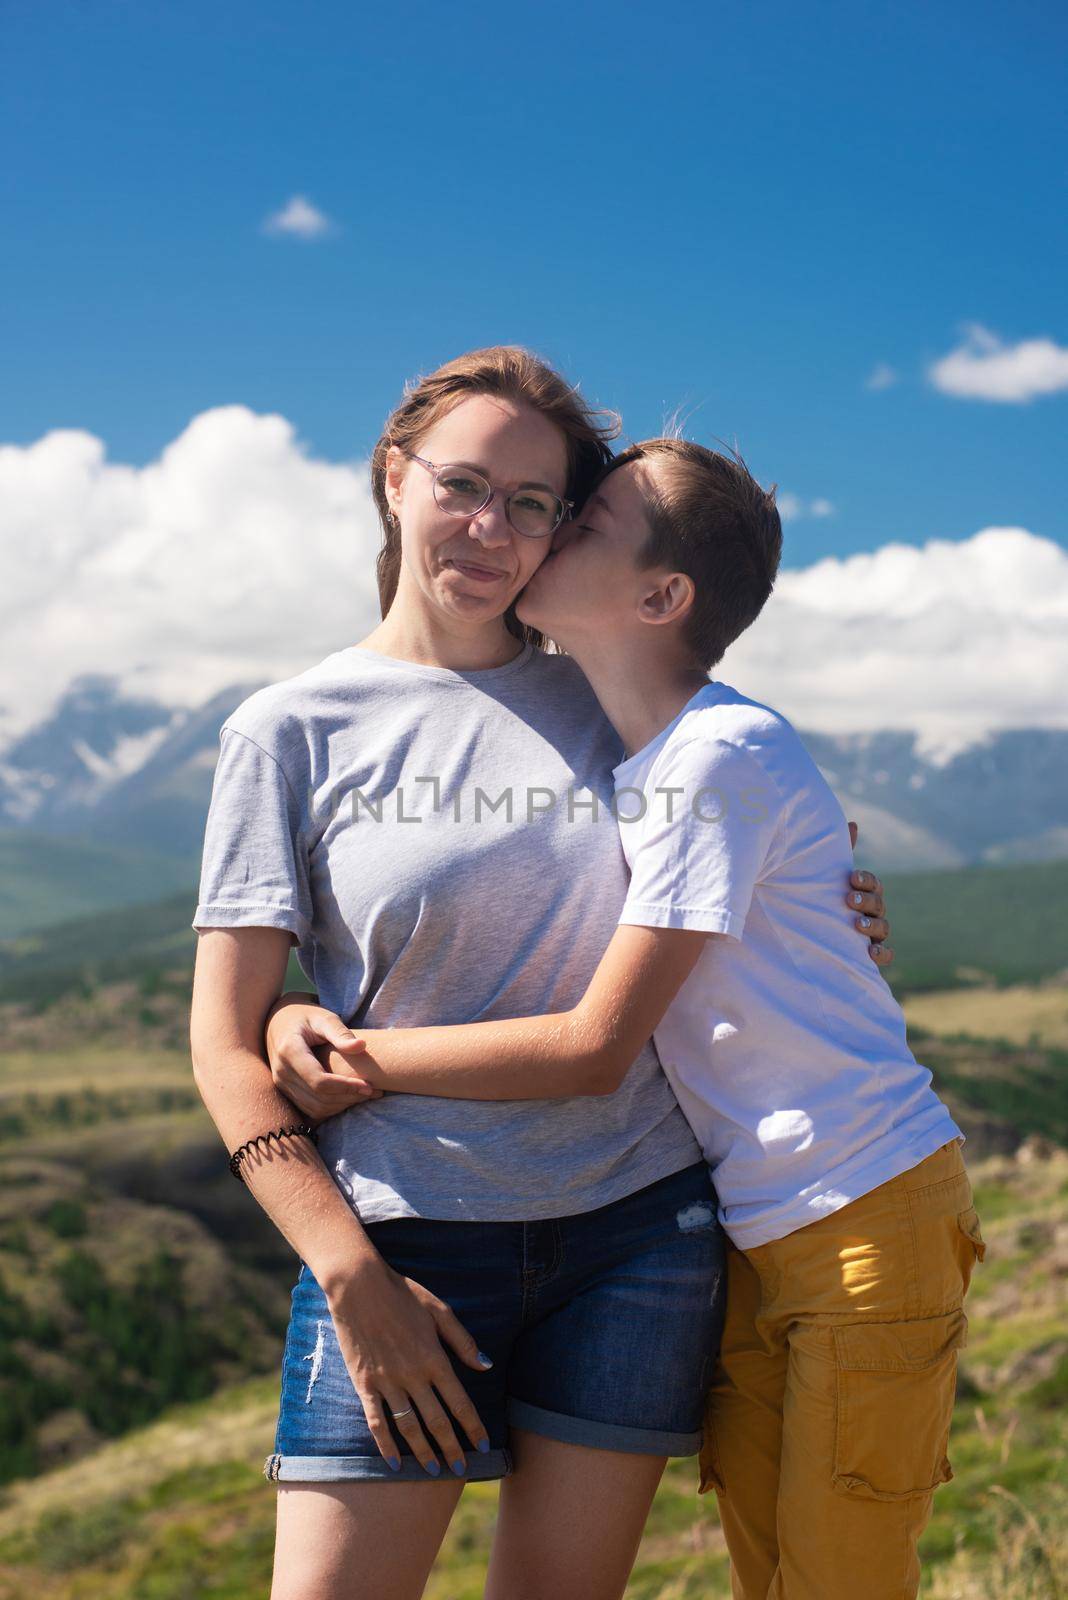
[125, 771]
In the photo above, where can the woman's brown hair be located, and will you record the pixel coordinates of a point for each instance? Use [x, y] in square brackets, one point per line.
[512, 373]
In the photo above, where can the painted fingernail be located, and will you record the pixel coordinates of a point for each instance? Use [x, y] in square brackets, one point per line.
[487, 1361]
[459, 1467]
[857, 898]
[393, 1463]
[433, 1468]
[865, 922]
[483, 1445]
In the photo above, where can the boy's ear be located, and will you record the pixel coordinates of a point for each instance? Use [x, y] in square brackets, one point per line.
[670, 601]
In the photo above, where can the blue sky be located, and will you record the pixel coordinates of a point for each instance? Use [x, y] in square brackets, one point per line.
[741, 211]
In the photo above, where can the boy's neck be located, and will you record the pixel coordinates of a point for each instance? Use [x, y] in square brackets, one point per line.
[639, 697]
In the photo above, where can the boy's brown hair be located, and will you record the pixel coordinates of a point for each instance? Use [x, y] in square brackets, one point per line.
[709, 518]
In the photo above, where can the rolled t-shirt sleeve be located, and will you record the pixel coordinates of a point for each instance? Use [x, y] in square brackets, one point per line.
[254, 869]
[707, 836]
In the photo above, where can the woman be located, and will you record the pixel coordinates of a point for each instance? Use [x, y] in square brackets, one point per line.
[468, 895]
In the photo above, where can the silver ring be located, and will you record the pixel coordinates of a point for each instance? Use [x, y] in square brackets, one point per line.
[403, 1413]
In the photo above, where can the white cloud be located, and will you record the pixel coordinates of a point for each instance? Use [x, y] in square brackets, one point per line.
[792, 508]
[238, 557]
[300, 218]
[951, 638]
[882, 376]
[233, 556]
[983, 367]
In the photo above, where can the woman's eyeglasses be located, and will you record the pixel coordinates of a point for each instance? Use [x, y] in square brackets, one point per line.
[462, 492]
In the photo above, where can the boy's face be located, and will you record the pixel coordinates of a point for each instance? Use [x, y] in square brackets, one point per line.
[590, 583]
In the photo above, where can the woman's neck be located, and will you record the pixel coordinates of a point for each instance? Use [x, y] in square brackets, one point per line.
[474, 648]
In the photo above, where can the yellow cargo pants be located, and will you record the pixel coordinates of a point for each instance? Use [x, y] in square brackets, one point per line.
[828, 1420]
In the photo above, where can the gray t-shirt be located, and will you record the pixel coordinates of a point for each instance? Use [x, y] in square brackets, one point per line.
[443, 847]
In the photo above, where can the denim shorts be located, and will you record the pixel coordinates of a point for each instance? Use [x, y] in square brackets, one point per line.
[603, 1328]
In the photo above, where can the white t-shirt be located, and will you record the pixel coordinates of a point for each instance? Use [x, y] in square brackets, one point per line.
[785, 1046]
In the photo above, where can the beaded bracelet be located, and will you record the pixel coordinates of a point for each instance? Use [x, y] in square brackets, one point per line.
[275, 1133]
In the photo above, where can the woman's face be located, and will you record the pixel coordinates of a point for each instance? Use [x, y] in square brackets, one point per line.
[472, 568]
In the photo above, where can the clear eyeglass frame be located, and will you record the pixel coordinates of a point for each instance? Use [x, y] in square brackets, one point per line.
[565, 507]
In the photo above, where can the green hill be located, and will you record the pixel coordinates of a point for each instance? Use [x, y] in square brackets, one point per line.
[43, 964]
[136, 942]
[49, 878]
[947, 928]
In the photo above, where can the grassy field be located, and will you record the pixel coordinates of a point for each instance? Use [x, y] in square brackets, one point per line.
[138, 1476]
[178, 1509]
[1019, 1014]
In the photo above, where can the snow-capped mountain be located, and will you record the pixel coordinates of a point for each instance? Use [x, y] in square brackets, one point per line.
[115, 770]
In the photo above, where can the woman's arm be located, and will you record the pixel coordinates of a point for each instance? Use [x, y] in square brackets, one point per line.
[390, 1329]
[236, 974]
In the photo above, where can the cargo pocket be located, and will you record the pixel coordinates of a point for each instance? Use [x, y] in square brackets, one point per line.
[975, 1248]
[895, 1384]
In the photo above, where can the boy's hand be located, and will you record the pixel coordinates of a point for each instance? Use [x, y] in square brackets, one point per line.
[309, 1050]
[865, 900]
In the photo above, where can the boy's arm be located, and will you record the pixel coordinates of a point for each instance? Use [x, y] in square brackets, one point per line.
[585, 1051]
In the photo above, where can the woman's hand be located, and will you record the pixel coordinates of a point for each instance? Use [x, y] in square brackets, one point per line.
[865, 899]
[303, 1042]
[391, 1333]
